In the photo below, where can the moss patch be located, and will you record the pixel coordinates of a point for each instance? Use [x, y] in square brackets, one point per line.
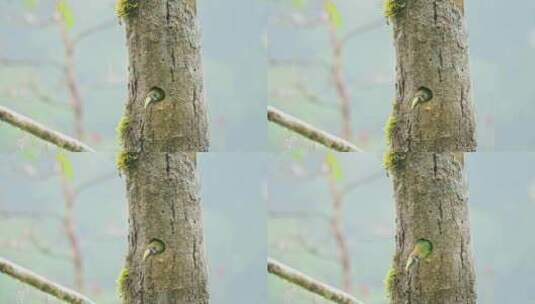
[390, 126]
[122, 283]
[125, 160]
[389, 282]
[392, 160]
[393, 7]
[123, 8]
[122, 129]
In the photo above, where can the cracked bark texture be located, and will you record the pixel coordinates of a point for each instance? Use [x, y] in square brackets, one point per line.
[431, 203]
[430, 190]
[430, 39]
[163, 40]
[164, 204]
[161, 142]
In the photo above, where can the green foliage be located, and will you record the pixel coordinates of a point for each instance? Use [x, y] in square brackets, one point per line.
[122, 282]
[123, 8]
[125, 160]
[393, 7]
[66, 13]
[335, 168]
[389, 282]
[335, 17]
[65, 165]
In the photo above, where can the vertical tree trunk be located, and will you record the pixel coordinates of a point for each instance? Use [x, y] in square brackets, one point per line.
[164, 205]
[431, 203]
[432, 52]
[164, 52]
[431, 127]
[164, 126]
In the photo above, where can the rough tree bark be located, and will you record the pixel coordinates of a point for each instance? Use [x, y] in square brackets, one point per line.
[164, 126]
[163, 42]
[164, 205]
[432, 52]
[431, 204]
[427, 142]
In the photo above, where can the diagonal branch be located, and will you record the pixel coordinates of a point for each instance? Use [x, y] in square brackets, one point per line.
[28, 277]
[28, 125]
[293, 276]
[298, 126]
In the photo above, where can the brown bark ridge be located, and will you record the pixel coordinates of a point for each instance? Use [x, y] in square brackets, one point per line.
[164, 207]
[431, 203]
[431, 128]
[163, 40]
[430, 39]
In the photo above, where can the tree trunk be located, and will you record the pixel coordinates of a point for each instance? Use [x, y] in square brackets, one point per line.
[431, 127]
[164, 206]
[431, 204]
[431, 52]
[163, 41]
[164, 126]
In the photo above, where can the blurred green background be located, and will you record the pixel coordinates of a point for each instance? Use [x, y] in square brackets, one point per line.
[32, 233]
[32, 80]
[300, 211]
[502, 56]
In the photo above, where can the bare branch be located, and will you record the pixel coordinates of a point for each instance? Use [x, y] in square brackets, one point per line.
[28, 277]
[337, 230]
[295, 277]
[276, 116]
[28, 125]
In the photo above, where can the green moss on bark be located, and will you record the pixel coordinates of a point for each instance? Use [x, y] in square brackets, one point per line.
[390, 126]
[122, 282]
[393, 7]
[122, 129]
[393, 160]
[389, 282]
[124, 8]
[125, 160]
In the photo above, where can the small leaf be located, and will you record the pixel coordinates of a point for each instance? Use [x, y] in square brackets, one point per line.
[65, 166]
[335, 17]
[66, 13]
[335, 168]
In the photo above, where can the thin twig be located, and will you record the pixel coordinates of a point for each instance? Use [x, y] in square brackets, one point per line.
[28, 125]
[276, 116]
[336, 225]
[69, 225]
[76, 102]
[295, 277]
[28, 277]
